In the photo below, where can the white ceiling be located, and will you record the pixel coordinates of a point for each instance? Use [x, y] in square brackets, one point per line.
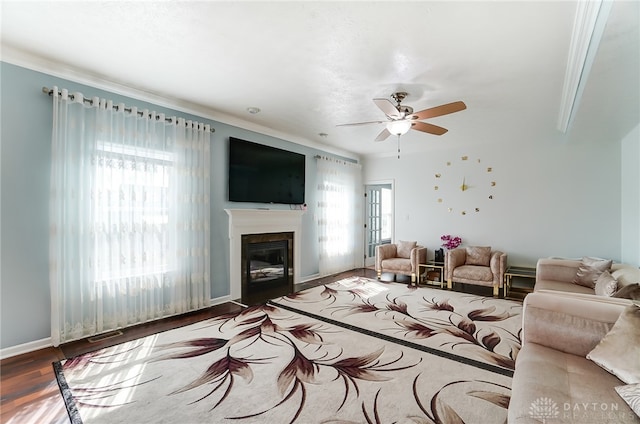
[310, 66]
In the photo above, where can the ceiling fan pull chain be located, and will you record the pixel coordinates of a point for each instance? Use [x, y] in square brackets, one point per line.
[398, 146]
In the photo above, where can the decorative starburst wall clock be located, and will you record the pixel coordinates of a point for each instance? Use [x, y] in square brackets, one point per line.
[463, 185]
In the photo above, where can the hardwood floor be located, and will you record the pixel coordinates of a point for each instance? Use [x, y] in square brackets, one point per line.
[28, 388]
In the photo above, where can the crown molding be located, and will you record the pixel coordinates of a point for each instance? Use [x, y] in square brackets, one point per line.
[588, 27]
[36, 63]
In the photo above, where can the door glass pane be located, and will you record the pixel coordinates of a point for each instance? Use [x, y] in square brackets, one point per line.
[379, 217]
[373, 230]
[386, 214]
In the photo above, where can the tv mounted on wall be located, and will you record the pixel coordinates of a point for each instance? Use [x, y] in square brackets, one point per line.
[264, 174]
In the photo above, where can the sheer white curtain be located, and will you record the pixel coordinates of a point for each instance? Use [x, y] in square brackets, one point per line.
[129, 212]
[340, 220]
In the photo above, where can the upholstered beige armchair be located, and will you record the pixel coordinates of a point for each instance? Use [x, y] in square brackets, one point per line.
[475, 265]
[400, 258]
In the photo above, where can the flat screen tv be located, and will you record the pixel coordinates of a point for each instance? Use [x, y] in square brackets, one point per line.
[265, 174]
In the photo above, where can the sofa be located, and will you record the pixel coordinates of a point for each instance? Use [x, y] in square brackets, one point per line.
[561, 275]
[554, 381]
[402, 258]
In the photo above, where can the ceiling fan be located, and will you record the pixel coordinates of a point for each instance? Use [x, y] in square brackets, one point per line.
[401, 119]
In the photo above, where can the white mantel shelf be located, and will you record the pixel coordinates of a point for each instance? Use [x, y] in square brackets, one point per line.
[259, 221]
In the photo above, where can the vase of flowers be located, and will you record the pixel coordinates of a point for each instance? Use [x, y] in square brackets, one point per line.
[450, 242]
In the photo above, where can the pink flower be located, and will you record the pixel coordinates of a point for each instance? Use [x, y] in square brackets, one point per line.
[450, 242]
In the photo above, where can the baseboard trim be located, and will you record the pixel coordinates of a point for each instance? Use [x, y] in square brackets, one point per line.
[23, 348]
[309, 278]
[220, 300]
[29, 347]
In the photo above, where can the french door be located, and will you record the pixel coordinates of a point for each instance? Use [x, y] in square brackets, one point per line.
[378, 219]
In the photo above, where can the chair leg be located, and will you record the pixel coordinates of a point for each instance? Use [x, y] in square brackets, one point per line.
[379, 274]
[496, 291]
[413, 279]
[449, 284]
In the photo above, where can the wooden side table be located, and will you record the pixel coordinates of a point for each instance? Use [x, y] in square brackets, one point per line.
[519, 272]
[431, 266]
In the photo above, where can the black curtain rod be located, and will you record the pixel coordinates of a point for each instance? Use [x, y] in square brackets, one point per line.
[49, 92]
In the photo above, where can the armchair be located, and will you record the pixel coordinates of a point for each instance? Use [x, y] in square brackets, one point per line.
[476, 265]
[401, 258]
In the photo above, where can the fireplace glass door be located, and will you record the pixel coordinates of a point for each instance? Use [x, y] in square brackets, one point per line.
[267, 266]
[267, 263]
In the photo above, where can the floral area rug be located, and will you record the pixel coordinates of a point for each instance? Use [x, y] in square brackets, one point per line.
[480, 331]
[269, 365]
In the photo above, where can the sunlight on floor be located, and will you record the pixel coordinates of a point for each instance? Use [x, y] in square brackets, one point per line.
[118, 372]
[49, 410]
[364, 287]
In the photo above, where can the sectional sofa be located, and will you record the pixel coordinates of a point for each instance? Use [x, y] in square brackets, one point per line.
[580, 357]
[560, 275]
[556, 380]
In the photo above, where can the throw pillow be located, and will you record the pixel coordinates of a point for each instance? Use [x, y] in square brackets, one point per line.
[632, 291]
[625, 273]
[590, 269]
[606, 285]
[405, 248]
[619, 351]
[477, 255]
[630, 394]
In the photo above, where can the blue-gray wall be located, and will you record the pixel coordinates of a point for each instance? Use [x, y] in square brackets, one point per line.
[25, 152]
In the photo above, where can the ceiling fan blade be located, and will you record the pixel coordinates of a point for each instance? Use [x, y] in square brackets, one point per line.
[439, 110]
[383, 135]
[428, 128]
[387, 107]
[361, 123]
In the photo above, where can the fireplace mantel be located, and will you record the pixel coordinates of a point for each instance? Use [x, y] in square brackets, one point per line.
[259, 221]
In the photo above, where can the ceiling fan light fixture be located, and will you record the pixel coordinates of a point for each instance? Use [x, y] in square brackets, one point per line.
[398, 127]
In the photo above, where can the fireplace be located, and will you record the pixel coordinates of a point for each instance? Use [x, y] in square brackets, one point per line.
[267, 266]
[244, 222]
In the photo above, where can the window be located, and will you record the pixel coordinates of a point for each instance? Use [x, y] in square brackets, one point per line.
[131, 211]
